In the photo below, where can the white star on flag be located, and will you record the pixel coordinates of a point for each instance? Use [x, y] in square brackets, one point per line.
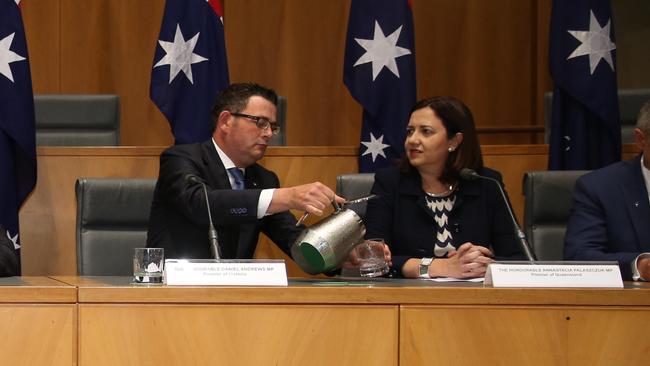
[595, 42]
[14, 240]
[8, 56]
[180, 55]
[381, 51]
[375, 147]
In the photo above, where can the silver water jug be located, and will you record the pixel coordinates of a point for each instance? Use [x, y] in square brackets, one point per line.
[323, 246]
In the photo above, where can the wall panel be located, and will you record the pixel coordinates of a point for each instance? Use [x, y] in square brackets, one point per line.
[107, 46]
[42, 22]
[489, 54]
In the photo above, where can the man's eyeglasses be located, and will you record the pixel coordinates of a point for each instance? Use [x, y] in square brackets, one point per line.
[262, 122]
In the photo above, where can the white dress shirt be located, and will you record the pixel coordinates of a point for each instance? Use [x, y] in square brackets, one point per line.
[265, 196]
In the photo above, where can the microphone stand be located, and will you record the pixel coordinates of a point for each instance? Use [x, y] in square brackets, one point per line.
[470, 174]
[212, 232]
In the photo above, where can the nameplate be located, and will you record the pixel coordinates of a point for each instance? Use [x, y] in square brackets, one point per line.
[554, 274]
[225, 272]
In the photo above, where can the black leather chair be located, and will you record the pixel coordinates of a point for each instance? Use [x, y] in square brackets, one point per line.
[112, 219]
[77, 120]
[353, 186]
[548, 202]
[629, 103]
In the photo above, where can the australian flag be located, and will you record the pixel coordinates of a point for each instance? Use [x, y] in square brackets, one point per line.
[585, 124]
[17, 131]
[379, 71]
[190, 67]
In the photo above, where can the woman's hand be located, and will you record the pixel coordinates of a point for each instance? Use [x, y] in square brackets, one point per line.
[469, 261]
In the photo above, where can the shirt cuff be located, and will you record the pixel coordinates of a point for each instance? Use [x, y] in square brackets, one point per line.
[264, 202]
[635, 271]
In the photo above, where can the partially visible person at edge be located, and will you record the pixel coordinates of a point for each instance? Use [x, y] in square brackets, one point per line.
[435, 223]
[244, 118]
[610, 217]
[9, 261]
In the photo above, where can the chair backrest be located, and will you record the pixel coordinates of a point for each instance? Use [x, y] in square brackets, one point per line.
[77, 119]
[281, 138]
[353, 186]
[629, 102]
[548, 202]
[112, 219]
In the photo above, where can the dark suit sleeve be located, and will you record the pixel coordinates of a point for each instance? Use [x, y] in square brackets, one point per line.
[587, 233]
[228, 207]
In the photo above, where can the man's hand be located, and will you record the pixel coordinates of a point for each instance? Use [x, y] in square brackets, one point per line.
[312, 198]
[643, 265]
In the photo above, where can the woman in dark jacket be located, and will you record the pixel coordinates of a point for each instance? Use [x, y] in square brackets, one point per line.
[435, 223]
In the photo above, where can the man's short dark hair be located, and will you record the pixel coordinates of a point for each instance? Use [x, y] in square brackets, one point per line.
[235, 97]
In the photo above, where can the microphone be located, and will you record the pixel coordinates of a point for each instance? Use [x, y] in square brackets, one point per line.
[469, 174]
[212, 232]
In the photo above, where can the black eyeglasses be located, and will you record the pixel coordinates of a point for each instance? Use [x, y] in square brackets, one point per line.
[262, 122]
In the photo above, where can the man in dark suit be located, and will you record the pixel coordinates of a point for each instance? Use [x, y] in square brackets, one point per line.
[610, 219]
[245, 198]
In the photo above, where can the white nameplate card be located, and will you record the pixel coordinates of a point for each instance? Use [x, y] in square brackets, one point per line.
[553, 274]
[225, 272]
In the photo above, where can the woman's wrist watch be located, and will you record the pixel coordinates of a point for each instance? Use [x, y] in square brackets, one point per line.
[424, 267]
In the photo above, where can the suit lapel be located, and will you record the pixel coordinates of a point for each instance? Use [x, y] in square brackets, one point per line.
[251, 178]
[214, 170]
[636, 202]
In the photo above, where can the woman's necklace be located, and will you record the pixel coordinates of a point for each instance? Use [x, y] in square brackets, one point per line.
[444, 193]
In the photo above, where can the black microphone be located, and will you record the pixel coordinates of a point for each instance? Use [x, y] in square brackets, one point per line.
[469, 174]
[212, 232]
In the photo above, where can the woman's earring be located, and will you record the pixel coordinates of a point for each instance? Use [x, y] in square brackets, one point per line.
[450, 149]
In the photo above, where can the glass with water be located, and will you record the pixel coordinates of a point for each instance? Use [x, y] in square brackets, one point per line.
[148, 265]
[372, 262]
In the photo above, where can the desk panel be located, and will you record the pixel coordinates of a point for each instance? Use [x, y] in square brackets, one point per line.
[337, 321]
[38, 318]
[237, 335]
[498, 335]
[38, 335]
[609, 336]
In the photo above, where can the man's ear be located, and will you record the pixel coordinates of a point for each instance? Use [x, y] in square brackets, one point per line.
[224, 121]
[639, 138]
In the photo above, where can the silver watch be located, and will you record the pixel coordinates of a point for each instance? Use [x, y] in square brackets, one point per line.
[424, 267]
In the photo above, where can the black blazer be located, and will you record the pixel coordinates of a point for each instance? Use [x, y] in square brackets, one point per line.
[179, 219]
[401, 217]
[610, 218]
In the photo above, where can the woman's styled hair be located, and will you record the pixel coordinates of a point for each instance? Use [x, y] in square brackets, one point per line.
[456, 118]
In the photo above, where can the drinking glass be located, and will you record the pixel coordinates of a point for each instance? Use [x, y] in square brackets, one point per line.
[370, 254]
[148, 265]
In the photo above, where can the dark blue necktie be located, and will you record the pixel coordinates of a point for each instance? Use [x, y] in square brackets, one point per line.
[239, 178]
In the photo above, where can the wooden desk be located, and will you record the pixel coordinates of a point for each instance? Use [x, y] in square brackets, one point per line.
[381, 322]
[39, 322]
